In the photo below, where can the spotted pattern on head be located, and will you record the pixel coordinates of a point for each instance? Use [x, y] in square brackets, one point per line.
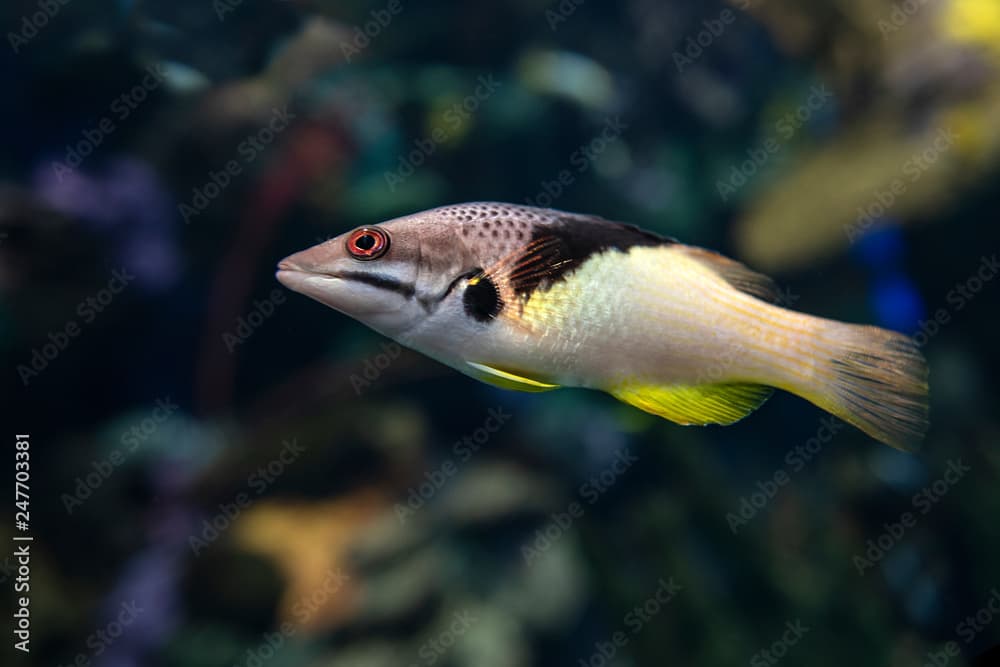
[502, 226]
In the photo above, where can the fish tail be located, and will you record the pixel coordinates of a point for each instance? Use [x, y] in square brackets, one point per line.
[872, 378]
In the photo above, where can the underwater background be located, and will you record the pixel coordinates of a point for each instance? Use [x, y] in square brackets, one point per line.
[226, 473]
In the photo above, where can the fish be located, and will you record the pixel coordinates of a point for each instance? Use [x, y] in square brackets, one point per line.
[534, 299]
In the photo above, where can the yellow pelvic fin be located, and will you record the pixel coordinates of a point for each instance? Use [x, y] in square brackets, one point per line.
[697, 404]
[506, 379]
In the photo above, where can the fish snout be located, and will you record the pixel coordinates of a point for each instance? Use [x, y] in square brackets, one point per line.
[322, 259]
[295, 271]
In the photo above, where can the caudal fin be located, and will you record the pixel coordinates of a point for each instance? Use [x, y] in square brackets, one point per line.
[874, 379]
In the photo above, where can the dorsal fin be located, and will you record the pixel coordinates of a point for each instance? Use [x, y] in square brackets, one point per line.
[736, 274]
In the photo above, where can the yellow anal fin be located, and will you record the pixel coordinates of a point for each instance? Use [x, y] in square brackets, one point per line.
[697, 404]
[506, 379]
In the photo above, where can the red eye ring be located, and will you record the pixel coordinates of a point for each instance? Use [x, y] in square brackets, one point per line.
[367, 243]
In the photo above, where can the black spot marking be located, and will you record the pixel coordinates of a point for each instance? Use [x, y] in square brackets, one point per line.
[482, 300]
[581, 237]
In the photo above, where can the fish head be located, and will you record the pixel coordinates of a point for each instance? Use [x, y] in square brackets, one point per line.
[390, 276]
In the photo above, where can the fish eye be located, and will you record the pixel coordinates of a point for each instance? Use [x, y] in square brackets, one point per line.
[367, 243]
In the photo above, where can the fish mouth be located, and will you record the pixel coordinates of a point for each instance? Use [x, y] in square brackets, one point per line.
[346, 291]
[295, 277]
[290, 266]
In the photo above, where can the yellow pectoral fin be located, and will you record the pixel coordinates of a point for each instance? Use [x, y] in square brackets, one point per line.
[699, 404]
[506, 379]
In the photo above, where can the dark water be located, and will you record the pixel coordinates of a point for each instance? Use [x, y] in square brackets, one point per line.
[223, 472]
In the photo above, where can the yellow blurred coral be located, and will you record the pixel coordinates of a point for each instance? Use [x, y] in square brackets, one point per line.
[974, 22]
[937, 73]
[309, 543]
